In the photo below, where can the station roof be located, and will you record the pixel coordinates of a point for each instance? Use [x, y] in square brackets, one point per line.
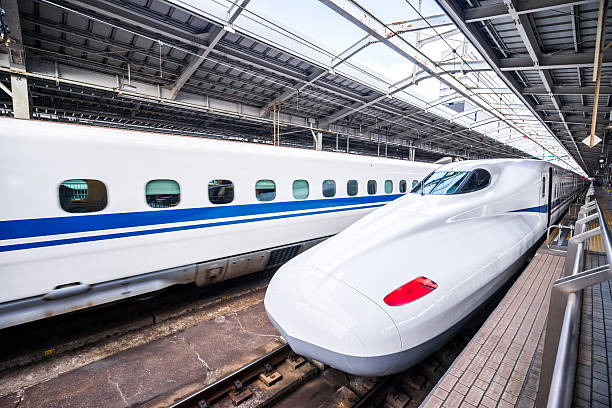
[217, 69]
[544, 51]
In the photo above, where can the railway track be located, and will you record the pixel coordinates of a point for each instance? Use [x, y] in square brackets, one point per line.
[283, 379]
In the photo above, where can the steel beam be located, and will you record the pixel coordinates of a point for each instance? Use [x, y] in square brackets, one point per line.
[475, 34]
[19, 83]
[215, 36]
[567, 90]
[449, 67]
[572, 108]
[361, 18]
[578, 119]
[554, 61]
[493, 11]
[597, 64]
[434, 38]
[312, 78]
[418, 24]
[525, 28]
[195, 61]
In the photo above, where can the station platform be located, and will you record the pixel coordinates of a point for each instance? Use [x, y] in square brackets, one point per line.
[501, 365]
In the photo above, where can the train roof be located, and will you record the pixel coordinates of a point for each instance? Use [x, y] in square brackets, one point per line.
[179, 142]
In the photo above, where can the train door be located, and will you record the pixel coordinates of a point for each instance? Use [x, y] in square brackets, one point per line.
[550, 193]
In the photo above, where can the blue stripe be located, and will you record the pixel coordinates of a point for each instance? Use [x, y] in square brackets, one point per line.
[37, 227]
[29, 245]
[544, 208]
[540, 209]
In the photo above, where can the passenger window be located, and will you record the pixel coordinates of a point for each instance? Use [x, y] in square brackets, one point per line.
[388, 186]
[352, 188]
[265, 190]
[220, 191]
[329, 188]
[163, 193]
[371, 187]
[82, 195]
[300, 189]
[403, 186]
[543, 186]
[414, 183]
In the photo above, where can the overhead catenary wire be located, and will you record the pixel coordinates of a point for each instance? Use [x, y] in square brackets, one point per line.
[266, 78]
[468, 64]
[504, 152]
[401, 124]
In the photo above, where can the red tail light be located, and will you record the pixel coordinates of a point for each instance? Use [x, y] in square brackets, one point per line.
[411, 291]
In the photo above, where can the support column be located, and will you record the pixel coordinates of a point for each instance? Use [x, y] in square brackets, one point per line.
[19, 83]
[411, 153]
[319, 141]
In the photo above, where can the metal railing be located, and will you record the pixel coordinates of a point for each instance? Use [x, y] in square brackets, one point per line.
[559, 228]
[558, 370]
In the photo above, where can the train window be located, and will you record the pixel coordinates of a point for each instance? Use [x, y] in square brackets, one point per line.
[453, 182]
[265, 190]
[403, 186]
[329, 188]
[371, 187]
[352, 188]
[82, 195]
[415, 183]
[163, 193]
[300, 189]
[479, 179]
[441, 182]
[543, 186]
[388, 186]
[220, 191]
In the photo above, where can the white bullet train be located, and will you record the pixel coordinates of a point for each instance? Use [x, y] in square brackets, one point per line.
[91, 215]
[396, 285]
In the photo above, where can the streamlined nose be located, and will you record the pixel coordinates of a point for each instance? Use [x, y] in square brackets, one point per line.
[323, 318]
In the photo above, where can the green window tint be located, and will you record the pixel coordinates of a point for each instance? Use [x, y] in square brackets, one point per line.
[265, 190]
[300, 189]
[82, 195]
[352, 188]
[220, 191]
[388, 186]
[414, 183]
[371, 187]
[329, 188]
[403, 186]
[163, 193]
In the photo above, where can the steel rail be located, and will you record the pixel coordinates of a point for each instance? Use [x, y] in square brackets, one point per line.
[223, 386]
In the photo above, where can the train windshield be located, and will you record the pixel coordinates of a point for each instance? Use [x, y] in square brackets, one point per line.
[453, 182]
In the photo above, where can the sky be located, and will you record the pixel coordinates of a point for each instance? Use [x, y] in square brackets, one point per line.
[314, 31]
[317, 22]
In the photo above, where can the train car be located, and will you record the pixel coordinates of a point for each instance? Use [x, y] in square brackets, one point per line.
[91, 215]
[396, 285]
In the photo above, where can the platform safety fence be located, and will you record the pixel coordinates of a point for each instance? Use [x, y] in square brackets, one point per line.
[558, 372]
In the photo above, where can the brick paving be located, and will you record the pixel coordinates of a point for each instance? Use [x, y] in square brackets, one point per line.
[500, 366]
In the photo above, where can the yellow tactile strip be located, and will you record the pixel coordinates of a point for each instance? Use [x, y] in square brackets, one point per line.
[596, 243]
[499, 366]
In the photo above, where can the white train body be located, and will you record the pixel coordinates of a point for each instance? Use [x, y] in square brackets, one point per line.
[53, 261]
[333, 302]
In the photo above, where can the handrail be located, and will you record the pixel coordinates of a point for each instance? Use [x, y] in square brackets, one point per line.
[606, 235]
[558, 370]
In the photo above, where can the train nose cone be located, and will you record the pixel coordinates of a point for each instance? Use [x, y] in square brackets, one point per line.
[325, 319]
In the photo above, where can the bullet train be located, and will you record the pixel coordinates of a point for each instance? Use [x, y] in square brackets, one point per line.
[393, 287]
[91, 215]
